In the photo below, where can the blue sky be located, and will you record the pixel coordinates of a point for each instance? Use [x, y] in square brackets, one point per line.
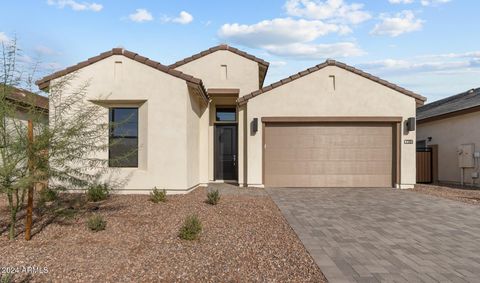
[429, 46]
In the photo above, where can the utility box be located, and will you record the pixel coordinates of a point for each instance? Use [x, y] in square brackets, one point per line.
[465, 155]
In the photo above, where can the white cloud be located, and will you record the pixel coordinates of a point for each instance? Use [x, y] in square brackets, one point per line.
[44, 50]
[316, 51]
[183, 18]
[395, 65]
[278, 31]
[400, 23]
[433, 2]
[278, 64]
[4, 38]
[400, 1]
[76, 6]
[295, 37]
[52, 66]
[330, 10]
[428, 63]
[141, 15]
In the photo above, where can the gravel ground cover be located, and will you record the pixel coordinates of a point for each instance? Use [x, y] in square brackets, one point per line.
[467, 195]
[244, 239]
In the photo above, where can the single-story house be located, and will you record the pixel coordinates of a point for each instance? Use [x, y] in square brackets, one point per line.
[450, 127]
[208, 118]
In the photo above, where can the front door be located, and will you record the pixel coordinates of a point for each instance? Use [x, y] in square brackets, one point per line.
[226, 152]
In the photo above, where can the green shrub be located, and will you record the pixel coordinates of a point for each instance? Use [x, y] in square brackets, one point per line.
[48, 195]
[157, 195]
[67, 213]
[98, 192]
[6, 277]
[213, 197]
[96, 223]
[191, 228]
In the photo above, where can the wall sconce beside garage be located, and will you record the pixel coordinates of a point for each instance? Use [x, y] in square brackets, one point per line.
[411, 124]
[254, 126]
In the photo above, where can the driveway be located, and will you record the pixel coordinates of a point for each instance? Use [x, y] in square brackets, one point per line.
[384, 235]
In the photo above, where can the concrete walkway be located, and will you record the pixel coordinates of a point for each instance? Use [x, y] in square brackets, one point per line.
[385, 235]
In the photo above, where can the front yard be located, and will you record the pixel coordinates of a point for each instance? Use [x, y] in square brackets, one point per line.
[466, 195]
[244, 238]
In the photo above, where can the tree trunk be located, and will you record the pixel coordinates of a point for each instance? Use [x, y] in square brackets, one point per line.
[13, 221]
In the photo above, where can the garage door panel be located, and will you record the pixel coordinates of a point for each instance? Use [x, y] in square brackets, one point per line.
[281, 180]
[348, 141]
[350, 181]
[347, 167]
[353, 154]
[328, 155]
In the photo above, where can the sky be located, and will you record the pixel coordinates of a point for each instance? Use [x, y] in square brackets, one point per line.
[431, 47]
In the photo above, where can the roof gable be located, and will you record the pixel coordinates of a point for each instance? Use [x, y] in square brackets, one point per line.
[420, 99]
[45, 82]
[263, 65]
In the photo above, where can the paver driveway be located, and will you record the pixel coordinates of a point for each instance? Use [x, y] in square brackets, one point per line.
[386, 235]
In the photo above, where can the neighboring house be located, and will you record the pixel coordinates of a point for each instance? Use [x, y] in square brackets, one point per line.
[25, 99]
[451, 126]
[207, 119]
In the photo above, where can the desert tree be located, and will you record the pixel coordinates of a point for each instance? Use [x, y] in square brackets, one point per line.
[68, 139]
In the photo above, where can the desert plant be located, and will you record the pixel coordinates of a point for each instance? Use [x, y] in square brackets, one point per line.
[191, 228]
[65, 144]
[97, 192]
[6, 277]
[48, 195]
[157, 195]
[213, 197]
[96, 223]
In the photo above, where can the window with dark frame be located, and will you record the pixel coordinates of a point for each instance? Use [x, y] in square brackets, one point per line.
[226, 115]
[123, 137]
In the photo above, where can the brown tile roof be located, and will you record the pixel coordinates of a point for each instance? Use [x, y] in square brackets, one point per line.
[25, 97]
[261, 62]
[45, 82]
[420, 99]
[217, 48]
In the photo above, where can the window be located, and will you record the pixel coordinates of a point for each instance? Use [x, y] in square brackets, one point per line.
[226, 115]
[123, 142]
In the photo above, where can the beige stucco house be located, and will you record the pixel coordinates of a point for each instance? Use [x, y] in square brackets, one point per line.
[208, 118]
[451, 127]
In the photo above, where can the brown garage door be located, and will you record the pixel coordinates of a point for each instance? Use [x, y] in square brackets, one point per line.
[328, 154]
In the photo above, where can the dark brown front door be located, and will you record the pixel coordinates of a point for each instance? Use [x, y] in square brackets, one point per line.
[226, 152]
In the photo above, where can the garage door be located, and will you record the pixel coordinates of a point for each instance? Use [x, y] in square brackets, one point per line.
[328, 154]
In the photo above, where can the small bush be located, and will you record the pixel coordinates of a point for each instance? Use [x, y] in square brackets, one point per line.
[66, 213]
[157, 195]
[213, 197]
[6, 277]
[98, 192]
[48, 195]
[191, 228]
[96, 223]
